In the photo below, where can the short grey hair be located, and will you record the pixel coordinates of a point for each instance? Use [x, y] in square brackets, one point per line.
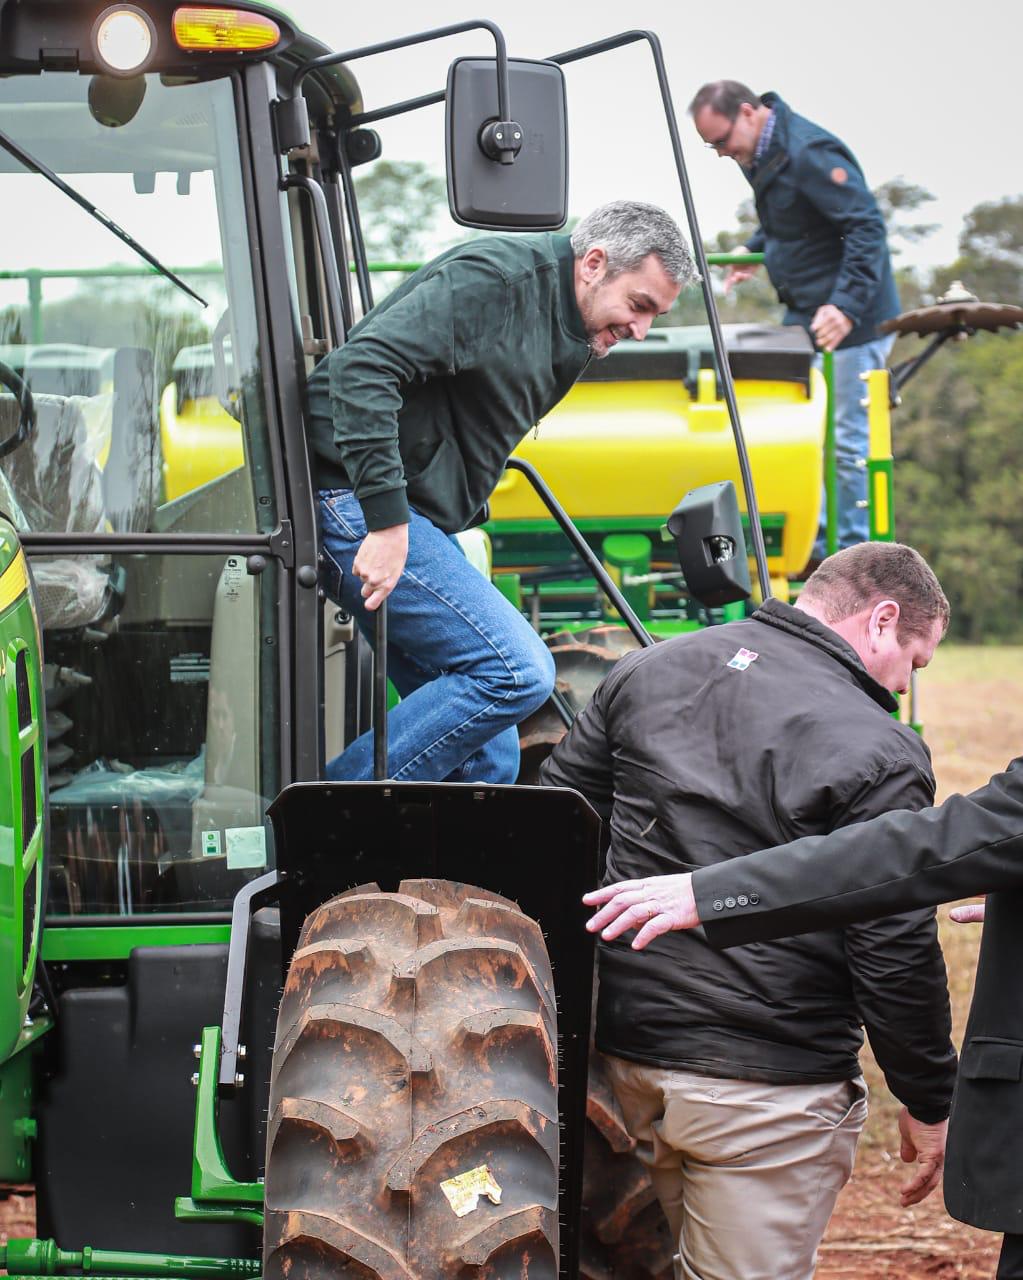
[629, 231]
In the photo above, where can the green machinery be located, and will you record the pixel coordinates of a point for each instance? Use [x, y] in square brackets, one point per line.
[178, 189]
[178, 193]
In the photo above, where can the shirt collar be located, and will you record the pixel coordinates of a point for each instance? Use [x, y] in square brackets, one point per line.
[787, 617]
[764, 141]
[570, 313]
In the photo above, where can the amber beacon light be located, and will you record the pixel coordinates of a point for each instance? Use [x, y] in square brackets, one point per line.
[123, 39]
[208, 30]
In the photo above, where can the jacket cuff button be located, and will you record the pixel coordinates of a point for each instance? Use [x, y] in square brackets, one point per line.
[742, 900]
[729, 903]
[754, 898]
[718, 905]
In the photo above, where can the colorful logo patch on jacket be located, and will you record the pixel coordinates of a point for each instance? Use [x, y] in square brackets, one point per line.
[742, 659]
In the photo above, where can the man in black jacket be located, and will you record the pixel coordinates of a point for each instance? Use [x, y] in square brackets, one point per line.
[410, 425]
[738, 1073]
[970, 844]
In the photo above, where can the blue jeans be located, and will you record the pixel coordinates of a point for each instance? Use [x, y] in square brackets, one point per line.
[852, 443]
[467, 664]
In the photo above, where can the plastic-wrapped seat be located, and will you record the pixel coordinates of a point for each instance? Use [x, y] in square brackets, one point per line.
[58, 487]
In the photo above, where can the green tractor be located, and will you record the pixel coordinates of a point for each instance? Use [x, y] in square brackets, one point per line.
[178, 194]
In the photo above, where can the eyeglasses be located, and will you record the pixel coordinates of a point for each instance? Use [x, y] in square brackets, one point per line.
[721, 143]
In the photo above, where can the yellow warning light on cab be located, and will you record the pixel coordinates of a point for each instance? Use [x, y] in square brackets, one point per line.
[208, 30]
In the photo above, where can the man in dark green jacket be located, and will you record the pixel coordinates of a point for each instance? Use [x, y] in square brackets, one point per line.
[825, 248]
[411, 423]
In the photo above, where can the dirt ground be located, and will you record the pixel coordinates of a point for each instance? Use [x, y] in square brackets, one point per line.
[971, 704]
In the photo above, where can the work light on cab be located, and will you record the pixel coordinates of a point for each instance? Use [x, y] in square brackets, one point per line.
[207, 30]
[124, 40]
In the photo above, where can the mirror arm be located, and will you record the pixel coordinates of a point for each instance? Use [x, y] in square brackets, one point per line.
[500, 139]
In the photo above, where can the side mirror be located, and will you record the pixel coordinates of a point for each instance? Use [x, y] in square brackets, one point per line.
[707, 529]
[532, 192]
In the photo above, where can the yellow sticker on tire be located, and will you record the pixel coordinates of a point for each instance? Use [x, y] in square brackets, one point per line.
[464, 1190]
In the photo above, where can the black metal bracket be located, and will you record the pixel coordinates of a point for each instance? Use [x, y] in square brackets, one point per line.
[405, 42]
[282, 544]
[900, 374]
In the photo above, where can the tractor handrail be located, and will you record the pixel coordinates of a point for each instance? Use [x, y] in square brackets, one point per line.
[584, 549]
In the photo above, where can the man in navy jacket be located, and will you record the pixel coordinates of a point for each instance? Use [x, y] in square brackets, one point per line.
[825, 249]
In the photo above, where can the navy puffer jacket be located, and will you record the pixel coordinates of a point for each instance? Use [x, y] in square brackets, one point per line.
[821, 231]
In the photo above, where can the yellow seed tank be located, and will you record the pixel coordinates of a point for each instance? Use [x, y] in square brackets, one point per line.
[647, 424]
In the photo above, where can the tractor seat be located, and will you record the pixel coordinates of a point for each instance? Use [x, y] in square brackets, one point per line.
[57, 487]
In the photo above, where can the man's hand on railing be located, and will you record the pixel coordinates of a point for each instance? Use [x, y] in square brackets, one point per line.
[739, 272]
[379, 562]
[829, 326]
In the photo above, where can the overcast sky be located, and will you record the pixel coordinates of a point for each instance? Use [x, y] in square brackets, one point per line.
[928, 90]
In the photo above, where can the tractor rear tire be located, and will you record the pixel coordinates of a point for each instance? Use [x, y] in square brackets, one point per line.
[581, 661]
[625, 1235]
[415, 1060]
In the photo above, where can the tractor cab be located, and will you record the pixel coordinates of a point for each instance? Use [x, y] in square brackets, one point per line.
[162, 704]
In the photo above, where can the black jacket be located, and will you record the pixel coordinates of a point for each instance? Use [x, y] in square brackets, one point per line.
[971, 844]
[821, 232]
[706, 753]
[439, 383]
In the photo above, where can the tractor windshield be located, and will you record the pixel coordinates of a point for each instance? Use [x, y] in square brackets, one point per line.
[147, 417]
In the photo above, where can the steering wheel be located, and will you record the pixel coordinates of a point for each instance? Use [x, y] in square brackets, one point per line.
[222, 385]
[15, 383]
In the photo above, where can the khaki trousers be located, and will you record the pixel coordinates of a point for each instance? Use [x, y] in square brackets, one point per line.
[747, 1173]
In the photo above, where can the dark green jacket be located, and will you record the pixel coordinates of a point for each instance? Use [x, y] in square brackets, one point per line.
[440, 382]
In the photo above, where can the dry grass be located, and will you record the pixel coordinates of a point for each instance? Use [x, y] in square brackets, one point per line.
[971, 704]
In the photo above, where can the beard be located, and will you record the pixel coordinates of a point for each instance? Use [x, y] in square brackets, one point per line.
[596, 333]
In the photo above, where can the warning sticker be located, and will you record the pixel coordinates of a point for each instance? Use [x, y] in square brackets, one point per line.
[464, 1190]
[742, 659]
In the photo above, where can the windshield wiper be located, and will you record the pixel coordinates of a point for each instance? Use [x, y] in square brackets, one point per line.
[37, 166]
